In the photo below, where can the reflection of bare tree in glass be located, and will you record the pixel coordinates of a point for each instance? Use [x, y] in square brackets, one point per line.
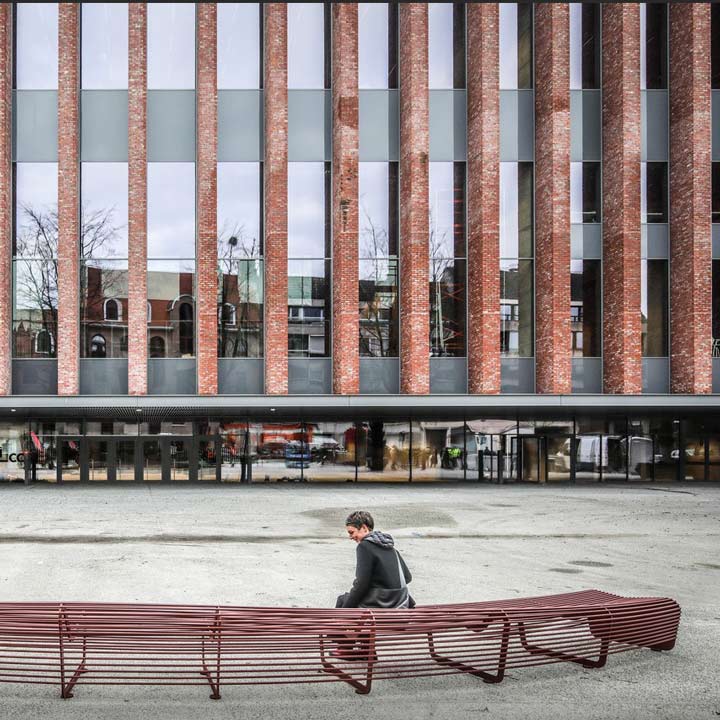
[239, 288]
[37, 241]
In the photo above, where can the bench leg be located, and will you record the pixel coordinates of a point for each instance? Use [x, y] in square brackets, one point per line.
[206, 672]
[66, 688]
[469, 669]
[365, 652]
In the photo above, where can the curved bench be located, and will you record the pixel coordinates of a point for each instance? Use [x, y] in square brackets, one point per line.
[132, 644]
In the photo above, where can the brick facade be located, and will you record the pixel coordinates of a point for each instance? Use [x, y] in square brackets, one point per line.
[68, 340]
[553, 359]
[690, 207]
[137, 199]
[206, 173]
[345, 345]
[483, 203]
[5, 198]
[622, 366]
[414, 202]
[275, 191]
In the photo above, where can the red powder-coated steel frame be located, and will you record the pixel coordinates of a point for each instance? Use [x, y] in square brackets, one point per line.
[133, 644]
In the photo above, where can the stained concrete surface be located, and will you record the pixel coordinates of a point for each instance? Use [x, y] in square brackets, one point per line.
[284, 545]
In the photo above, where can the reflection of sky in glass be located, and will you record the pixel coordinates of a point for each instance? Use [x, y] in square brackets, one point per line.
[35, 286]
[36, 189]
[37, 46]
[238, 45]
[171, 210]
[643, 49]
[105, 45]
[442, 241]
[306, 210]
[508, 210]
[306, 45]
[374, 214]
[576, 46]
[372, 45]
[104, 197]
[576, 194]
[171, 45]
[508, 46]
[440, 45]
[238, 209]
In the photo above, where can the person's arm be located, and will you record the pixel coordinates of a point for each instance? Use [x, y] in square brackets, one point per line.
[363, 574]
[405, 569]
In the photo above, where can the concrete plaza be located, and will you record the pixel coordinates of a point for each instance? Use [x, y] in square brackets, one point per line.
[284, 544]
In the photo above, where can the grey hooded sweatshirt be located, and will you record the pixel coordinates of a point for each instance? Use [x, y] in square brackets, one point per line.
[377, 576]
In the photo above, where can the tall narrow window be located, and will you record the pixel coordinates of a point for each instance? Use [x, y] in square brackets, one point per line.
[716, 308]
[104, 46]
[585, 199]
[584, 46]
[308, 45]
[239, 38]
[653, 192]
[446, 45]
[654, 306]
[585, 296]
[715, 44]
[653, 46]
[516, 46]
[171, 46]
[36, 46]
[716, 192]
[377, 45]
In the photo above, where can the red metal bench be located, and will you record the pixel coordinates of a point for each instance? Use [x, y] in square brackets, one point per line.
[114, 644]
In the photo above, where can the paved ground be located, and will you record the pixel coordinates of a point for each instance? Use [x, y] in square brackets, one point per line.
[285, 545]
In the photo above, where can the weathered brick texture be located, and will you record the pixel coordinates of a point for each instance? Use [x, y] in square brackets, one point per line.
[137, 199]
[552, 199]
[346, 352]
[414, 204]
[622, 361]
[68, 340]
[275, 182]
[5, 198]
[690, 206]
[207, 278]
[483, 205]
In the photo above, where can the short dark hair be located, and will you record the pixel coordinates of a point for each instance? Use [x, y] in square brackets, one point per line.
[359, 518]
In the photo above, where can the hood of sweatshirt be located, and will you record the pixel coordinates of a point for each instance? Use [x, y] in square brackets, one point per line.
[380, 538]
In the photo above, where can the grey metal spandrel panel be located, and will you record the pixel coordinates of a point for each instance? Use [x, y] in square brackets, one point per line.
[171, 376]
[508, 126]
[240, 125]
[379, 376]
[716, 374]
[592, 126]
[441, 125]
[655, 375]
[104, 126]
[34, 377]
[460, 125]
[587, 375]
[716, 125]
[656, 126]
[171, 125]
[517, 375]
[240, 376]
[656, 245]
[378, 121]
[576, 125]
[34, 125]
[643, 126]
[108, 376]
[309, 376]
[307, 125]
[448, 376]
[592, 241]
[716, 242]
[526, 125]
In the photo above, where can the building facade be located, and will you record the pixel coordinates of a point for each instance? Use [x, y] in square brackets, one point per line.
[346, 241]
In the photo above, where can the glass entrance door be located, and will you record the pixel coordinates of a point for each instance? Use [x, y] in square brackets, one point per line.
[98, 462]
[68, 461]
[152, 460]
[534, 459]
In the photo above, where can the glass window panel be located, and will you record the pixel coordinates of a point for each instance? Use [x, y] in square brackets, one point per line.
[653, 192]
[171, 46]
[525, 45]
[378, 209]
[585, 294]
[239, 210]
[238, 45]
[447, 307]
[447, 210]
[516, 209]
[440, 45]
[309, 315]
[171, 296]
[584, 46]
[104, 210]
[306, 210]
[516, 308]
[653, 46]
[585, 192]
[36, 46]
[171, 210]
[332, 451]
[104, 45]
[35, 302]
[240, 308]
[716, 308]
[654, 307]
[716, 192]
[104, 308]
[508, 58]
[383, 450]
[715, 44]
[379, 308]
[36, 198]
[373, 45]
[576, 191]
[306, 45]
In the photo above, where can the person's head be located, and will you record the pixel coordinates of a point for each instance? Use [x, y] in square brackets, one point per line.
[359, 524]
